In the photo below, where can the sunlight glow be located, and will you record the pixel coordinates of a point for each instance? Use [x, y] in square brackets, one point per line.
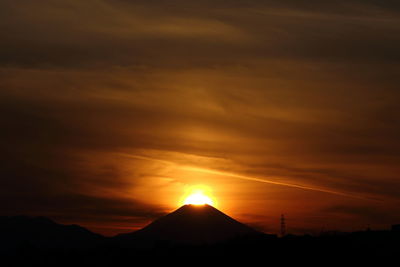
[198, 199]
[198, 196]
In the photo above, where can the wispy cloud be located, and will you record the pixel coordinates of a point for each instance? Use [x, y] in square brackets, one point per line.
[118, 100]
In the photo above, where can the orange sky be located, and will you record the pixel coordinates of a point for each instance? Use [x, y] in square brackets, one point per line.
[111, 109]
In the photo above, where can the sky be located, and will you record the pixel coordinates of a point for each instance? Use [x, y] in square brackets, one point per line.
[111, 110]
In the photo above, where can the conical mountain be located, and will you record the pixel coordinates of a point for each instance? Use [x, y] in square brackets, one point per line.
[191, 224]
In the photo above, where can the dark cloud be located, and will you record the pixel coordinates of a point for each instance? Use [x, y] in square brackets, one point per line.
[77, 206]
[299, 92]
[123, 33]
[368, 214]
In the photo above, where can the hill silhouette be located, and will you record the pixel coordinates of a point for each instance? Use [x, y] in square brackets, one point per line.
[190, 224]
[200, 234]
[41, 232]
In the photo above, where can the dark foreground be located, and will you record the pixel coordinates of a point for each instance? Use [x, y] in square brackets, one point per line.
[39, 241]
[359, 248]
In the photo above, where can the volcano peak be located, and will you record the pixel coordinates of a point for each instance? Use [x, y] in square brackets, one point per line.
[193, 224]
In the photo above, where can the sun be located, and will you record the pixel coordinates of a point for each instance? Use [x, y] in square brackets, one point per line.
[198, 196]
[198, 199]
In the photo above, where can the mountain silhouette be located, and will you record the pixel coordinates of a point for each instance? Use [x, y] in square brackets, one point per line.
[38, 241]
[191, 224]
[41, 232]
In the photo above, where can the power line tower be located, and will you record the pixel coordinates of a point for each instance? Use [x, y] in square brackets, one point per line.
[283, 226]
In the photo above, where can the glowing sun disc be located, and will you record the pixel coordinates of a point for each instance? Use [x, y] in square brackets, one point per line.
[198, 198]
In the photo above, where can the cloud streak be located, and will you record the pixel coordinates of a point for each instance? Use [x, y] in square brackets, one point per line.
[247, 178]
[286, 105]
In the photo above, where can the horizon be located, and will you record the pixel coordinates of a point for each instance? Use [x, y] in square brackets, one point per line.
[322, 231]
[113, 112]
